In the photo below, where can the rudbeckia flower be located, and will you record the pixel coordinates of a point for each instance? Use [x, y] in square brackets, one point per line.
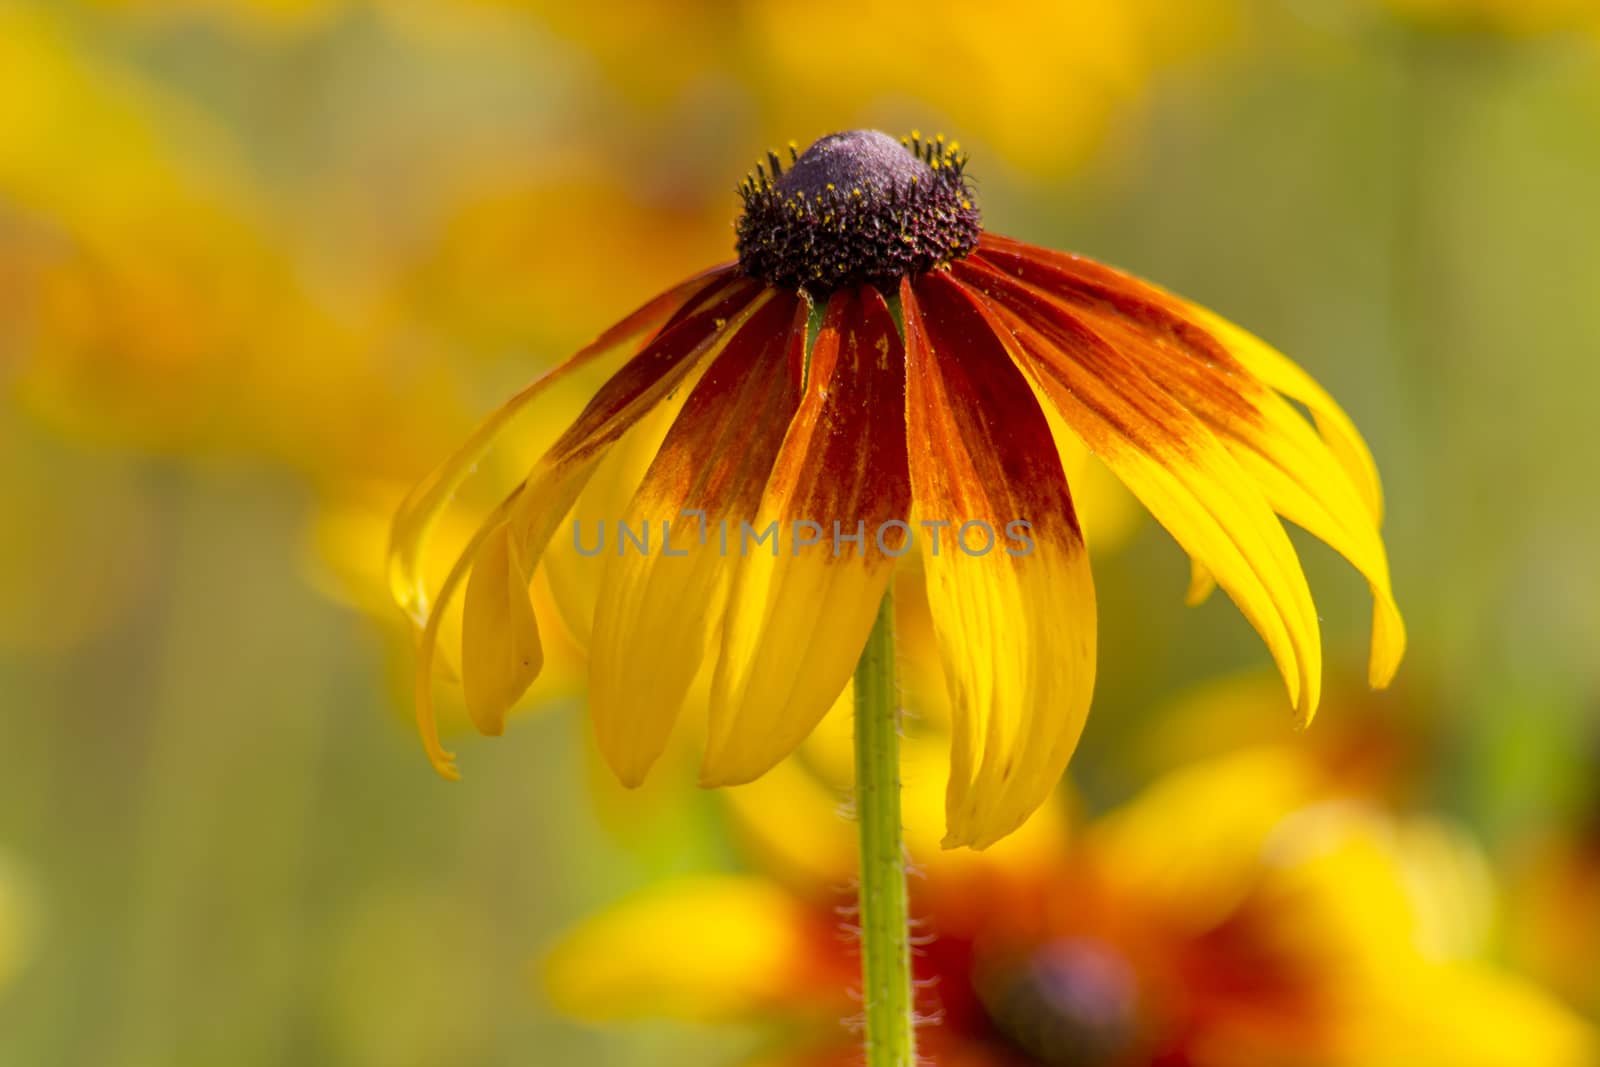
[877, 381]
[1238, 912]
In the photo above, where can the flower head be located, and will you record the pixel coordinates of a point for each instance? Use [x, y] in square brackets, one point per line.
[859, 208]
[875, 380]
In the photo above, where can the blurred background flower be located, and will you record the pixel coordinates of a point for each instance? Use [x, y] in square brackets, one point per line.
[263, 262]
[1239, 911]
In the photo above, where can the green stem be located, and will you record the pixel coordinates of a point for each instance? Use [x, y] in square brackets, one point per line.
[885, 936]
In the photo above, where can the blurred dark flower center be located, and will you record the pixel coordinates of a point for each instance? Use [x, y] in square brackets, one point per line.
[1069, 1003]
[856, 208]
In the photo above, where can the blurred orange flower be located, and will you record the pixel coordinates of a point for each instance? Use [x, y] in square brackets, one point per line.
[155, 302]
[1237, 913]
[157, 288]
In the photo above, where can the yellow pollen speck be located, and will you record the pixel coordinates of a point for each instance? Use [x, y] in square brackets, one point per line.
[856, 191]
[939, 138]
[830, 185]
[916, 135]
[719, 323]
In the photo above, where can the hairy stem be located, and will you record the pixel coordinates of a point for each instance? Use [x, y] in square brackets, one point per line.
[885, 936]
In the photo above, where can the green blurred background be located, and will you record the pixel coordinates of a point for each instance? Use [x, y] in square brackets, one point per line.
[261, 263]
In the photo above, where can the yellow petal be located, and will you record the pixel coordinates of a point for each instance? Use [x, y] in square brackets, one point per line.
[1294, 468]
[797, 619]
[414, 521]
[1176, 467]
[428, 641]
[1282, 374]
[501, 653]
[574, 576]
[660, 603]
[531, 513]
[500, 650]
[1038, 846]
[1295, 489]
[1014, 618]
[1325, 484]
[1201, 584]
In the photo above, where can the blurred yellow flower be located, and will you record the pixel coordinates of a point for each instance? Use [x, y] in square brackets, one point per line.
[154, 305]
[1036, 83]
[1237, 913]
[157, 288]
[1383, 748]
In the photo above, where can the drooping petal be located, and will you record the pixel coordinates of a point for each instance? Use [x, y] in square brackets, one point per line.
[1303, 475]
[1009, 586]
[1281, 373]
[799, 614]
[658, 369]
[1310, 503]
[570, 561]
[415, 519]
[661, 602]
[1201, 584]
[505, 634]
[496, 675]
[1173, 463]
